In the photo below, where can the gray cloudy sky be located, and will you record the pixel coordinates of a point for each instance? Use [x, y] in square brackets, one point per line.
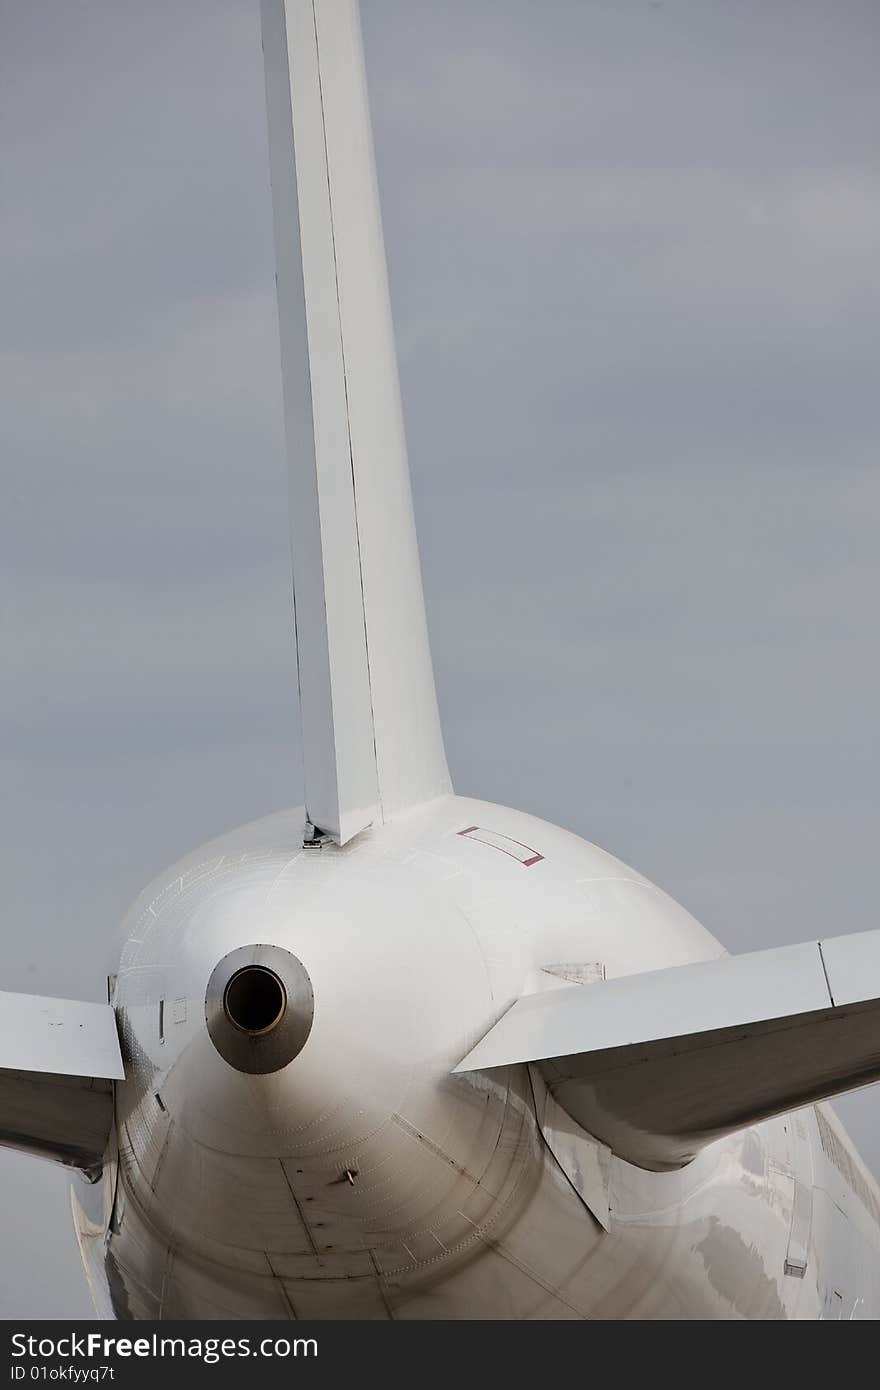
[635, 262]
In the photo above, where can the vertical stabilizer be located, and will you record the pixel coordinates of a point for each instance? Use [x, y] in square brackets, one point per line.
[372, 744]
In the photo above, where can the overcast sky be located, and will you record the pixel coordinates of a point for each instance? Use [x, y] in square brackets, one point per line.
[635, 263]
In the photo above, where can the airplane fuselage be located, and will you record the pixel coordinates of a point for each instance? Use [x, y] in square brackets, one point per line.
[396, 1054]
[364, 1179]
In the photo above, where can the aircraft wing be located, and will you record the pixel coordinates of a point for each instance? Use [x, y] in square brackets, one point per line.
[58, 1061]
[660, 1064]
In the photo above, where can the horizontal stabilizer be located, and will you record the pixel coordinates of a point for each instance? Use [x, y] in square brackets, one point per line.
[58, 1061]
[658, 1065]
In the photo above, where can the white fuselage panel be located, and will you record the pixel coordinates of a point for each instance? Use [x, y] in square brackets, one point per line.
[364, 1179]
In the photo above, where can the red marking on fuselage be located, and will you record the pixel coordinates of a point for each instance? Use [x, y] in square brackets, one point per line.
[493, 839]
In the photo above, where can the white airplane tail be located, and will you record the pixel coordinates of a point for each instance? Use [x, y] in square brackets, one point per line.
[372, 744]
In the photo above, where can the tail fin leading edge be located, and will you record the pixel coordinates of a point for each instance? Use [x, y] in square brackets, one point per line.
[372, 744]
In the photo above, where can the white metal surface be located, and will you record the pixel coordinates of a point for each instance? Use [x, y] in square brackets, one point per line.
[585, 1163]
[62, 1036]
[58, 1059]
[852, 965]
[371, 732]
[363, 1177]
[233, 1194]
[732, 991]
[659, 1065]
